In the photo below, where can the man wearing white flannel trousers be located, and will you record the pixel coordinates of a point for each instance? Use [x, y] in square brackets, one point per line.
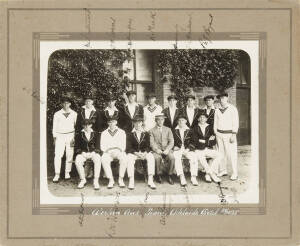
[63, 132]
[113, 145]
[226, 125]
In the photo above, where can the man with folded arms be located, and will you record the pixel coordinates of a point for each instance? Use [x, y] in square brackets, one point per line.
[161, 143]
[113, 145]
[203, 142]
[171, 112]
[138, 147]
[87, 147]
[150, 111]
[226, 126]
[182, 145]
[64, 122]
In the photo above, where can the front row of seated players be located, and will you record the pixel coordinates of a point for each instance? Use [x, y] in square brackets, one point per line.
[154, 147]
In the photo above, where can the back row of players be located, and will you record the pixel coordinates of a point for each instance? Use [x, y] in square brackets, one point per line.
[147, 133]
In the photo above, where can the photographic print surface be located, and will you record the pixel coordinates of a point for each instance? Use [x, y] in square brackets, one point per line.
[159, 69]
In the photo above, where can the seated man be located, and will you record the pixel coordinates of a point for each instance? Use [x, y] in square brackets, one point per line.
[138, 147]
[182, 144]
[113, 145]
[87, 147]
[203, 141]
[162, 142]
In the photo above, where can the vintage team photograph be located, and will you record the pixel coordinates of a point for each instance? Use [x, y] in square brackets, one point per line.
[152, 118]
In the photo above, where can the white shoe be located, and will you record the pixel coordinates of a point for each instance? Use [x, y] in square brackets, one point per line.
[182, 180]
[194, 181]
[215, 178]
[234, 177]
[131, 183]
[56, 178]
[67, 175]
[81, 183]
[96, 184]
[208, 178]
[223, 173]
[110, 183]
[151, 183]
[121, 182]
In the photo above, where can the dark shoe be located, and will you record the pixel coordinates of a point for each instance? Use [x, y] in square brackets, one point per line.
[170, 180]
[159, 180]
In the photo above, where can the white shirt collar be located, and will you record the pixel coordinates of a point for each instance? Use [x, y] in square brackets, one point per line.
[134, 104]
[205, 125]
[109, 109]
[172, 108]
[212, 107]
[185, 128]
[134, 130]
[188, 108]
[85, 131]
[91, 108]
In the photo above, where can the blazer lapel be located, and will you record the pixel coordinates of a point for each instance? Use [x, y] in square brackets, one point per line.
[92, 113]
[127, 111]
[142, 136]
[82, 114]
[178, 134]
[135, 111]
[136, 138]
[186, 133]
[169, 115]
[84, 137]
[195, 114]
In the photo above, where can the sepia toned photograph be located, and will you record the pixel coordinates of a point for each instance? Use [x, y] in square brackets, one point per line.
[152, 118]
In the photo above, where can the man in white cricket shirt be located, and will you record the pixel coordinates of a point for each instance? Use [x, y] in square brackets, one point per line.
[226, 125]
[113, 145]
[150, 111]
[63, 131]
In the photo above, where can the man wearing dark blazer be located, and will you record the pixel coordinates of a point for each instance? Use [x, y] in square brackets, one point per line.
[138, 147]
[129, 111]
[87, 146]
[110, 111]
[162, 142]
[88, 111]
[182, 148]
[171, 112]
[191, 112]
[209, 109]
[203, 141]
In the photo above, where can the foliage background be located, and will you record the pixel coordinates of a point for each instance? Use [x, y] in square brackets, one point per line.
[76, 73]
[187, 68]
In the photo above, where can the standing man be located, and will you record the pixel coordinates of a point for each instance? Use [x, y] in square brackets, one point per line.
[87, 147]
[209, 109]
[138, 147]
[171, 112]
[191, 112]
[150, 111]
[63, 131]
[113, 145]
[226, 126]
[203, 142]
[161, 143]
[88, 111]
[182, 145]
[129, 111]
[110, 111]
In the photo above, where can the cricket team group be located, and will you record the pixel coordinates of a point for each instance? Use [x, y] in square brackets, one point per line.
[160, 138]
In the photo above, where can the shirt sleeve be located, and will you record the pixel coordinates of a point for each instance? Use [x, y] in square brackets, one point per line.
[54, 130]
[216, 121]
[235, 120]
